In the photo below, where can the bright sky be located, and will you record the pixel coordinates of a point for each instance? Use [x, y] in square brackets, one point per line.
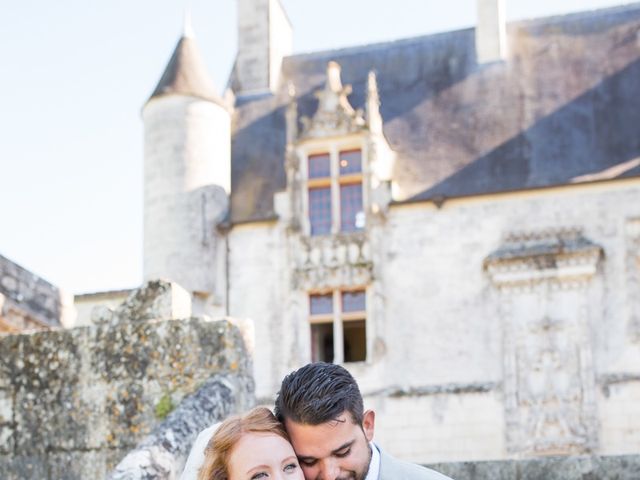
[74, 75]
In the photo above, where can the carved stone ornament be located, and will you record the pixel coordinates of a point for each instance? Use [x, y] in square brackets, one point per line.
[632, 267]
[565, 258]
[332, 262]
[335, 115]
[549, 377]
[550, 406]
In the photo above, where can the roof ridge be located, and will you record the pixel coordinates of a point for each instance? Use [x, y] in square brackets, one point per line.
[577, 15]
[375, 45]
[570, 16]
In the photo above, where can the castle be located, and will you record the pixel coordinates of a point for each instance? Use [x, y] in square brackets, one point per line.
[453, 217]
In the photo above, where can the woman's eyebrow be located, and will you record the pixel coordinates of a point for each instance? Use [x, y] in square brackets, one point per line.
[257, 467]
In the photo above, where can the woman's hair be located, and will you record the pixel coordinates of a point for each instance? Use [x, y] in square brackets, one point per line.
[218, 451]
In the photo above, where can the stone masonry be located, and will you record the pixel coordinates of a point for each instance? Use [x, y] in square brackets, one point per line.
[28, 301]
[74, 402]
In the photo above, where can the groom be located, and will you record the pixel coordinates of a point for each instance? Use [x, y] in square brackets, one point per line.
[321, 408]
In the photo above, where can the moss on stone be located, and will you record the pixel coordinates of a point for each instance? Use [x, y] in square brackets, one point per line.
[164, 406]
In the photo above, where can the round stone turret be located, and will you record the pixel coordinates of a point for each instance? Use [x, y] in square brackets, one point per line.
[187, 176]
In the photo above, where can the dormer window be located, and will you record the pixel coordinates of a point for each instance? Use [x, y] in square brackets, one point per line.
[335, 201]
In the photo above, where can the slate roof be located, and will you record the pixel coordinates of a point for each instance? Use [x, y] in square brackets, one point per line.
[186, 73]
[564, 108]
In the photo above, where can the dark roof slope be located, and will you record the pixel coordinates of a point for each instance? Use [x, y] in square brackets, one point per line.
[564, 108]
[186, 73]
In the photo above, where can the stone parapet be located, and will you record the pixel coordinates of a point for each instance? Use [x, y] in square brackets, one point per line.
[623, 467]
[74, 402]
[28, 301]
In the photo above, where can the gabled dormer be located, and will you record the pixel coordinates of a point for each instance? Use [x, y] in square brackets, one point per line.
[338, 166]
[339, 161]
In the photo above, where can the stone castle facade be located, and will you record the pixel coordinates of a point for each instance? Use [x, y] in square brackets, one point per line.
[453, 217]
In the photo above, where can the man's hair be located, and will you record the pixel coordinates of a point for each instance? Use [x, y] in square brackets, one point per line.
[318, 393]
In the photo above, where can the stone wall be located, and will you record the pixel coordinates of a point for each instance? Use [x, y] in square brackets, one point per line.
[74, 402]
[624, 467]
[28, 301]
[545, 328]
[498, 327]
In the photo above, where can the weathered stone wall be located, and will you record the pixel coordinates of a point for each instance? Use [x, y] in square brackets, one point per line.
[74, 402]
[539, 356]
[258, 280]
[546, 340]
[624, 467]
[85, 304]
[28, 301]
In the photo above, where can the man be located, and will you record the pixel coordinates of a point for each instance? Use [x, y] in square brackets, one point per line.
[322, 410]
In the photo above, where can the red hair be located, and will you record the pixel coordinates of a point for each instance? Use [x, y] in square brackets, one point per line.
[218, 451]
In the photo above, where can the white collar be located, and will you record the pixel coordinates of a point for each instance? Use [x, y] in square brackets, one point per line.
[374, 465]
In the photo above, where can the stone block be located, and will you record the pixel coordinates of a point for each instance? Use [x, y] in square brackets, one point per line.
[74, 397]
[6, 438]
[21, 467]
[155, 300]
[6, 406]
[550, 468]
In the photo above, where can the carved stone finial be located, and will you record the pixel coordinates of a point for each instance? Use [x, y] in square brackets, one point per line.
[373, 117]
[334, 82]
[335, 115]
[291, 114]
[334, 95]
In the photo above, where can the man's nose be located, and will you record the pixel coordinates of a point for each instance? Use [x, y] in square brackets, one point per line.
[329, 469]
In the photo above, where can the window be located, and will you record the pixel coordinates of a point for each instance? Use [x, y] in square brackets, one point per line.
[335, 192]
[338, 326]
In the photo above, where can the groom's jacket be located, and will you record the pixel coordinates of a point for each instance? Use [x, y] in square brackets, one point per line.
[393, 469]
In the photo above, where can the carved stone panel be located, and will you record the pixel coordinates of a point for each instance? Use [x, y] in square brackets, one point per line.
[543, 285]
[632, 266]
[549, 382]
[329, 262]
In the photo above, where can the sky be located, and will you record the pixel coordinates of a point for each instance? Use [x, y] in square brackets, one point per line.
[74, 76]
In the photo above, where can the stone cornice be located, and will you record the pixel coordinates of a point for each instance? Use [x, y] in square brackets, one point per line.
[565, 258]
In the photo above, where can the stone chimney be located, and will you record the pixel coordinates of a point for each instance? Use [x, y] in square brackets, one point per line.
[491, 31]
[264, 39]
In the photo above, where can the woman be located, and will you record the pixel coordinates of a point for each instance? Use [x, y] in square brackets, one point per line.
[250, 447]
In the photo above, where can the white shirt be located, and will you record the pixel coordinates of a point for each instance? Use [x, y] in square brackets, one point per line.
[374, 465]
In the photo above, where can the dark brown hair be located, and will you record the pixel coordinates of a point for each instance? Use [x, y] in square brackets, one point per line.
[318, 393]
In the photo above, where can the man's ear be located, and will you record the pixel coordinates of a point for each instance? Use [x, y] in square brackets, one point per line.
[368, 424]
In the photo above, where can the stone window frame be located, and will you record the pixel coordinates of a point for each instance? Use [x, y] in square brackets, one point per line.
[333, 148]
[337, 318]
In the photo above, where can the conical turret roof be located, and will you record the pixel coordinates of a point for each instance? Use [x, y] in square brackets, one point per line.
[186, 73]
